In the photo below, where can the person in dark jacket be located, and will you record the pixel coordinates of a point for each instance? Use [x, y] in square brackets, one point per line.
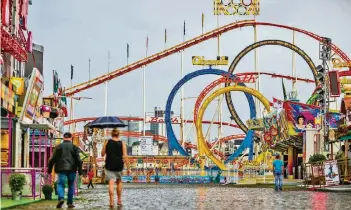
[67, 162]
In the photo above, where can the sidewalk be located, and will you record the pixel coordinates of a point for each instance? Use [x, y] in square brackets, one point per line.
[9, 203]
[339, 188]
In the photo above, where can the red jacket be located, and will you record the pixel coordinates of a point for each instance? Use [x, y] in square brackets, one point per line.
[90, 175]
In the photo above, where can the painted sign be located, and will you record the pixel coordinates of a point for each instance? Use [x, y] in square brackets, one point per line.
[236, 7]
[275, 124]
[301, 116]
[338, 63]
[255, 124]
[19, 83]
[331, 172]
[241, 79]
[185, 179]
[200, 60]
[33, 93]
[333, 118]
[174, 120]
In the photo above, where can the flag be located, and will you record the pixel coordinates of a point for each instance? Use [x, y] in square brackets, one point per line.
[56, 82]
[63, 98]
[203, 20]
[165, 35]
[184, 27]
[127, 50]
[284, 91]
[71, 72]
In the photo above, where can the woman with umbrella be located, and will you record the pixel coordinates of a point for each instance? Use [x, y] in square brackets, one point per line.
[116, 155]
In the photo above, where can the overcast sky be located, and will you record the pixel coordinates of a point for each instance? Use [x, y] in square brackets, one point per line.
[74, 31]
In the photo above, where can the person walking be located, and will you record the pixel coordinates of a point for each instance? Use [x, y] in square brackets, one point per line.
[90, 177]
[116, 155]
[278, 168]
[67, 162]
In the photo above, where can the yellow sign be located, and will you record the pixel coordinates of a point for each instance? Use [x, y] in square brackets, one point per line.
[338, 63]
[255, 124]
[236, 7]
[345, 80]
[200, 60]
[19, 83]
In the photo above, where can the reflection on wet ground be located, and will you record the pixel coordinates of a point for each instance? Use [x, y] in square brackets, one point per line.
[178, 197]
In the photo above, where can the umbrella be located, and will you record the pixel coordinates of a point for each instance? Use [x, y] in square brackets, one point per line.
[107, 122]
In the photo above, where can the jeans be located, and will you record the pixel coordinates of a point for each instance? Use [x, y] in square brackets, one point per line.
[278, 180]
[71, 176]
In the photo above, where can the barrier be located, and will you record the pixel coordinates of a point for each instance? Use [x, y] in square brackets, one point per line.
[33, 177]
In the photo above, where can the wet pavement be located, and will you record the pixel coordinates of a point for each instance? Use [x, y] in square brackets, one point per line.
[179, 197]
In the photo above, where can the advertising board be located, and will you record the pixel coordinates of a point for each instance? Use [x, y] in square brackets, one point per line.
[301, 116]
[33, 92]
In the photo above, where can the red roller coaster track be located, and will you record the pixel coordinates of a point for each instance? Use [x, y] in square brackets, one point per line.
[141, 119]
[212, 34]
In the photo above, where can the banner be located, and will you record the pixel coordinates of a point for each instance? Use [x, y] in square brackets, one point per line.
[301, 116]
[331, 172]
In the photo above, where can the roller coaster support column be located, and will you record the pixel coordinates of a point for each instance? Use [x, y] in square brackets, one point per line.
[290, 162]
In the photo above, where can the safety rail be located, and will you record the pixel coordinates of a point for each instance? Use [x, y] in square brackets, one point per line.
[33, 177]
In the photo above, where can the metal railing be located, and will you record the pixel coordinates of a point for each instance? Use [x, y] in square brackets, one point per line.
[33, 177]
[315, 173]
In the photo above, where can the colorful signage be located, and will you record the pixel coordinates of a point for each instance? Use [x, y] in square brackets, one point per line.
[338, 63]
[333, 118]
[244, 79]
[33, 93]
[7, 99]
[255, 124]
[19, 83]
[236, 7]
[174, 120]
[275, 124]
[301, 116]
[200, 60]
[331, 172]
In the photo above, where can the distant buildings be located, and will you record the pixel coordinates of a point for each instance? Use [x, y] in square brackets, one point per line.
[134, 126]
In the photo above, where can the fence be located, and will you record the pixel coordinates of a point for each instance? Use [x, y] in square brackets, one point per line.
[326, 173]
[35, 180]
[33, 177]
[249, 174]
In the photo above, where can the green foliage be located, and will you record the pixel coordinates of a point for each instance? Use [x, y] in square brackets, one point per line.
[17, 181]
[317, 158]
[47, 189]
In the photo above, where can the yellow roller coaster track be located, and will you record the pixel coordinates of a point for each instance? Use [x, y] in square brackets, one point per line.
[202, 146]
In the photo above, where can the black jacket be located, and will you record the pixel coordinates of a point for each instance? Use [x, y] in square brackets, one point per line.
[66, 158]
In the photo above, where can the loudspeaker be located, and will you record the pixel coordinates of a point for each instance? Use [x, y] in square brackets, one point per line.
[334, 82]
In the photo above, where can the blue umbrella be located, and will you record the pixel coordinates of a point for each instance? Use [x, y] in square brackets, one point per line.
[107, 122]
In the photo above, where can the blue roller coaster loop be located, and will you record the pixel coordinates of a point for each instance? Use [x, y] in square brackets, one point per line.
[247, 143]
[173, 143]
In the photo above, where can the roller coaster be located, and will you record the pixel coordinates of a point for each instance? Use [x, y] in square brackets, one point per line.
[233, 82]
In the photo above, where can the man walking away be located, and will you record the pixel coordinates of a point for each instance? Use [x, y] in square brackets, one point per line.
[67, 161]
[278, 168]
[90, 177]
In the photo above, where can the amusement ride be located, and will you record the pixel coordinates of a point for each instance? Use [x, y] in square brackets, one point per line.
[277, 131]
